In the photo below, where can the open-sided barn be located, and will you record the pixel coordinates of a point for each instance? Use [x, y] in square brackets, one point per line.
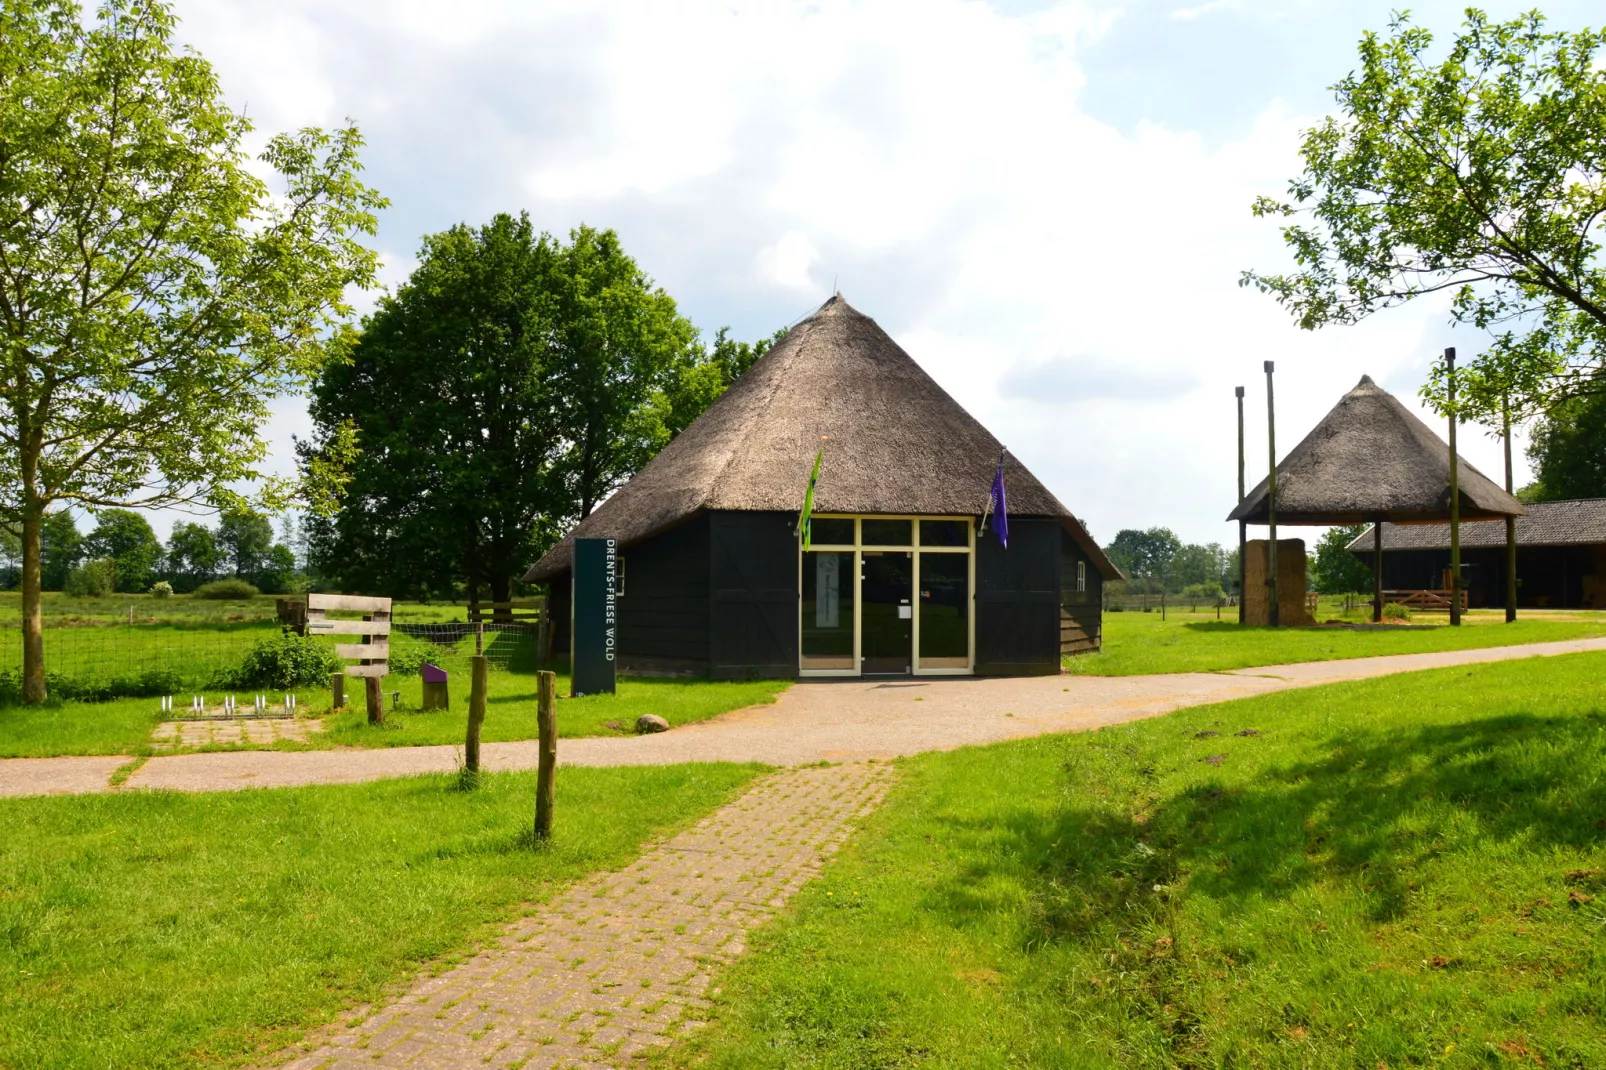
[899, 578]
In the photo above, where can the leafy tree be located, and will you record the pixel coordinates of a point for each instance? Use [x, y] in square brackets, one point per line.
[1199, 566]
[1481, 173]
[125, 538]
[10, 560]
[193, 556]
[697, 381]
[277, 570]
[449, 390]
[60, 549]
[155, 292]
[615, 340]
[245, 536]
[1334, 570]
[1146, 556]
[1568, 448]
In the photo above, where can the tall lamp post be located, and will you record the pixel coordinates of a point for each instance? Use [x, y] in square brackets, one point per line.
[1243, 525]
[1511, 521]
[1273, 617]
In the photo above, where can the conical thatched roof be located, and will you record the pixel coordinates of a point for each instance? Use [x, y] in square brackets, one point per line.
[1371, 458]
[898, 443]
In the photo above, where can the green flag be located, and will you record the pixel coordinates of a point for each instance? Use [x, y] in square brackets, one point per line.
[807, 514]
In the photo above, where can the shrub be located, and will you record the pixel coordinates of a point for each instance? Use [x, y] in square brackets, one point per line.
[93, 689]
[286, 661]
[161, 589]
[226, 590]
[1395, 611]
[92, 579]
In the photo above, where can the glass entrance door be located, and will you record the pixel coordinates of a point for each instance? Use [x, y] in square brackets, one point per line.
[886, 607]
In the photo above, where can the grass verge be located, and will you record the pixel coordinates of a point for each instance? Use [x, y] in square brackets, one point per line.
[1401, 872]
[1141, 643]
[183, 930]
[123, 726]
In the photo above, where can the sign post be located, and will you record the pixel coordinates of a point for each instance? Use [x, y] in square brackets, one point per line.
[596, 571]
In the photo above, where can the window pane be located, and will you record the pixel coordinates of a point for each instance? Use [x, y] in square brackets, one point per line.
[828, 590]
[888, 532]
[828, 531]
[944, 606]
[944, 533]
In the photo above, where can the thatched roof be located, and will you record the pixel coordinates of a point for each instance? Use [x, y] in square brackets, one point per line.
[1575, 522]
[1370, 459]
[898, 443]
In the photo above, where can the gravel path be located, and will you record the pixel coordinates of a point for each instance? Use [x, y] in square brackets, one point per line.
[811, 722]
[621, 962]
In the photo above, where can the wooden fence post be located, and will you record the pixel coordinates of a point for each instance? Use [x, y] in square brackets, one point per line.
[374, 692]
[547, 729]
[479, 675]
[337, 690]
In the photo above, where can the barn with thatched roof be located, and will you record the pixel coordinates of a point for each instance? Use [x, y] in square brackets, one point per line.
[899, 579]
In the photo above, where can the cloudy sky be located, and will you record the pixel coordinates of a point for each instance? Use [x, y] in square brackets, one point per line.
[1046, 204]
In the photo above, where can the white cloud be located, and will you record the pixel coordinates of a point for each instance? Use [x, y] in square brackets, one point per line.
[1186, 13]
[931, 155]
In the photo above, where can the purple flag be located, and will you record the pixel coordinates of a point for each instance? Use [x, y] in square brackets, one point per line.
[998, 506]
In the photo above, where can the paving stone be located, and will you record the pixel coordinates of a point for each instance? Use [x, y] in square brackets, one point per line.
[621, 962]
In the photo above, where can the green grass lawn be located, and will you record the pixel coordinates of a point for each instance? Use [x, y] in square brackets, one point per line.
[123, 726]
[1141, 643]
[1400, 872]
[151, 930]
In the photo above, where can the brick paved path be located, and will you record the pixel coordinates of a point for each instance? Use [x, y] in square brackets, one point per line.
[623, 961]
[214, 730]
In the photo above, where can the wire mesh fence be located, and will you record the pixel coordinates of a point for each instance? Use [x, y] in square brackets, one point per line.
[100, 658]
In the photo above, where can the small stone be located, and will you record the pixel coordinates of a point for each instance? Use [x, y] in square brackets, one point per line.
[651, 722]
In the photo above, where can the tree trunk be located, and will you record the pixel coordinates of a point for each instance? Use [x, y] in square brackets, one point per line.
[501, 591]
[33, 630]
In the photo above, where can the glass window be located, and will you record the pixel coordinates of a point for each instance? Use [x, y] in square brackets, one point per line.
[944, 610]
[829, 586]
[1081, 577]
[830, 531]
[944, 533]
[888, 532]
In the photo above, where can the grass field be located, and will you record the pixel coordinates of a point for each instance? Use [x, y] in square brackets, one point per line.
[209, 930]
[123, 726]
[1140, 643]
[1401, 872]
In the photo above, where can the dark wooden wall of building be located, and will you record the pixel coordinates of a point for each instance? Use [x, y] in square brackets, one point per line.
[663, 614]
[752, 595]
[1081, 612]
[1550, 577]
[1018, 600]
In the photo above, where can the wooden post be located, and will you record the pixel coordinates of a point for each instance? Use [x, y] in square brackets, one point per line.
[337, 690]
[546, 723]
[1243, 525]
[1455, 497]
[476, 711]
[1511, 521]
[1273, 617]
[373, 691]
[1377, 571]
[479, 638]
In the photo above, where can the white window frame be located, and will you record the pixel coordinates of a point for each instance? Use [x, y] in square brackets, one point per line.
[857, 548]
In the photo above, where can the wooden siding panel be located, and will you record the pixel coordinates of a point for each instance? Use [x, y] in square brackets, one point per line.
[753, 595]
[1081, 612]
[663, 614]
[1017, 600]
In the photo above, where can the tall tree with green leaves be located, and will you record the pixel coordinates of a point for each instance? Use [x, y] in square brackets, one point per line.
[1335, 570]
[155, 293]
[1146, 556]
[1567, 448]
[61, 547]
[193, 556]
[245, 537]
[1479, 173]
[125, 538]
[616, 340]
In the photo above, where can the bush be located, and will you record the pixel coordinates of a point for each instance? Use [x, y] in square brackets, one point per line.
[93, 689]
[92, 579]
[1395, 611]
[161, 589]
[226, 590]
[287, 661]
